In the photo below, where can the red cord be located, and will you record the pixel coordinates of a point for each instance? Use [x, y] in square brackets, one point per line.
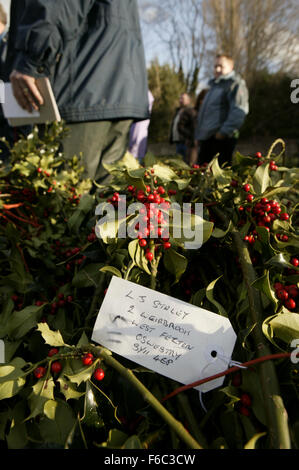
[226, 372]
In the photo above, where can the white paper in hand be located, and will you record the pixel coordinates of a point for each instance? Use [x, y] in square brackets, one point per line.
[171, 337]
[11, 107]
[2, 352]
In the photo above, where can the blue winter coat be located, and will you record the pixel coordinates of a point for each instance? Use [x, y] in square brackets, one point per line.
[224, 107]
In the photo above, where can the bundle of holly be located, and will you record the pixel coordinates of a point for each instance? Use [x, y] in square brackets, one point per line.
[58, 388]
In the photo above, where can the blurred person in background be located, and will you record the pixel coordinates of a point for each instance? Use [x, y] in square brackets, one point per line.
[178, 134]
[222, 112]
[139, 134]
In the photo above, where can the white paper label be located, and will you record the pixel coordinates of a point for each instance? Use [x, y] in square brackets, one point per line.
[176, 339]
[2, 352]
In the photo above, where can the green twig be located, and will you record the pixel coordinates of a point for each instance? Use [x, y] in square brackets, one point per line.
[277, 419]
[175, 425]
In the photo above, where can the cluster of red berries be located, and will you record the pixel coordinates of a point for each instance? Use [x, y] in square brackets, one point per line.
[56, 366]
[61, 302]
[116, 200]
[245, 402]
[87, 360]
[286, 294]
[264, 212]
[18, 301]
[152, 216]
[272, 165]
[70, 252]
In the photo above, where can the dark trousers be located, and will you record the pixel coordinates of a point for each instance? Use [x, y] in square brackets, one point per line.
[210, 147]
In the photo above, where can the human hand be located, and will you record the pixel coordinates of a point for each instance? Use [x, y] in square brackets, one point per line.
[25, 91]
[219, 136]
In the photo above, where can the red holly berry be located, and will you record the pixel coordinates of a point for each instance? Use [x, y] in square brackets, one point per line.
[56, 367]
[87, 359]
[246, 400]
[249, 197]
[295, 262]
[39, 170]
[258, 155]
[282, 294]
[161, 190]
[99, 374]
[167, 245]
[52, 352]
[290, 304]
[91, 237]
[284, 216]
[244, 411]
[149, 256]
[246, 187]
[292, 291]
[237, 379]
[234, 183]
[142, 242]
[278, 286]
[39, 372]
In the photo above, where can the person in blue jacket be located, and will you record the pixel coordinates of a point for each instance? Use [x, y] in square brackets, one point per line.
[222, 112]
[92, 52]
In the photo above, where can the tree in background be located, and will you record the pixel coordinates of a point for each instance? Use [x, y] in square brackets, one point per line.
[166, 85]
[259, 34]
[180, 28]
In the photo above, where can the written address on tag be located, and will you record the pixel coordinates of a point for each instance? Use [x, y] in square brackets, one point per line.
[164, 334]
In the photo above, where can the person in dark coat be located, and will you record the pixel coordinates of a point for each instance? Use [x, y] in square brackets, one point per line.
[222, 112]
[179, 133]
[92, 52]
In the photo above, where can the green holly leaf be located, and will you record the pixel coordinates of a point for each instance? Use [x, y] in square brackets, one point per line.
[261, 179]
[23, 321]
[263, 285]
[175, 263]
[210, 297]
[251, 444]
[42, 391]
[68, 389]
[53, 338]
[137, 255]
[58, 430]
[284, 326]
[111, 270]
[50, 409]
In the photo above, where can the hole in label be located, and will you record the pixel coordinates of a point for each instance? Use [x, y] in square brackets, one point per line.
[214, 353]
